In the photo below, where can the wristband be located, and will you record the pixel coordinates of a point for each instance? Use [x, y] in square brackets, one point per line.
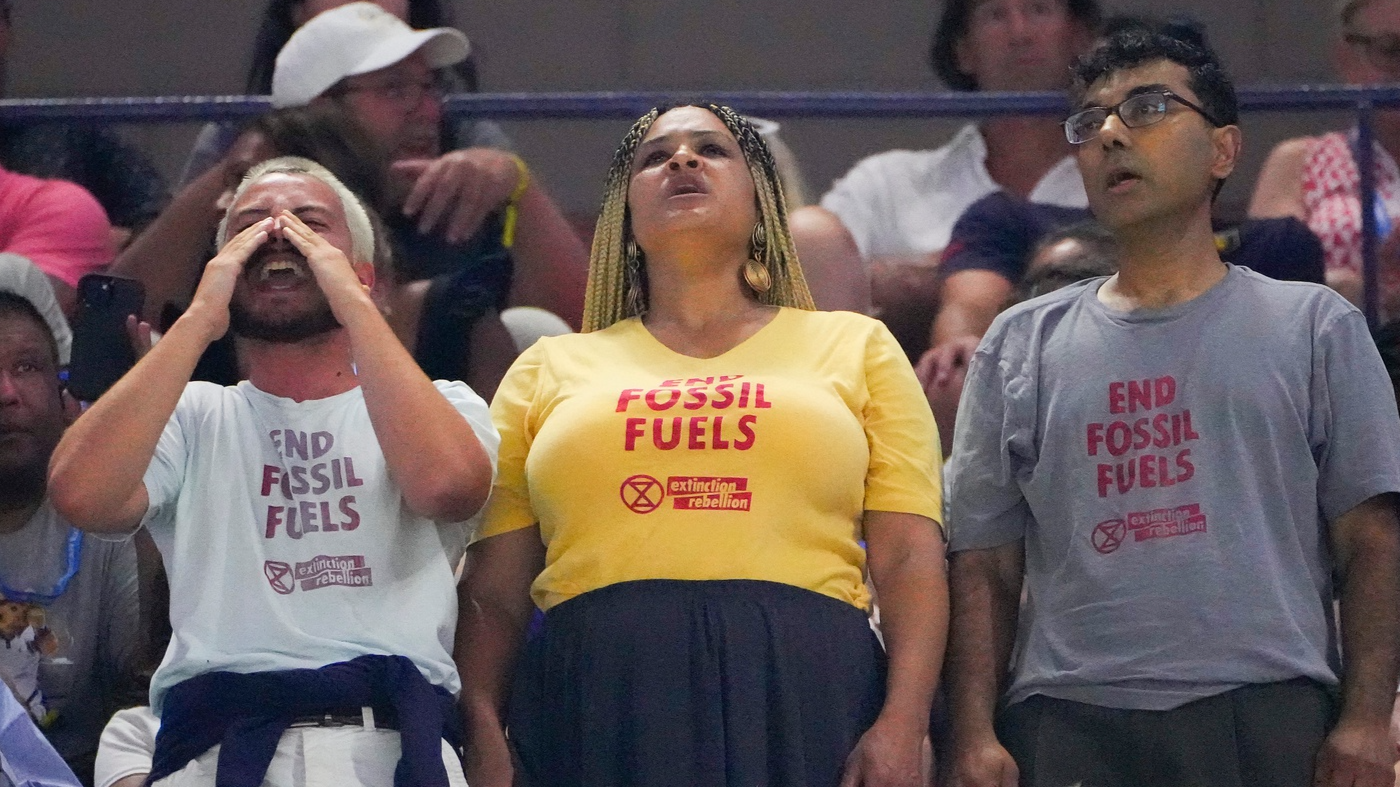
[512, 213]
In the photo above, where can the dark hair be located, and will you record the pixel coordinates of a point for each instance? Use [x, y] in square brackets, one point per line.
[329, 136]
[12, 304]
[277, 26]
[1098, 256]
[953, 25]
[1133, 46]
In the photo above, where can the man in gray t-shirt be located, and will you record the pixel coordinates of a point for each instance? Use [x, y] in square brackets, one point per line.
[70, 627]
[1173, 462]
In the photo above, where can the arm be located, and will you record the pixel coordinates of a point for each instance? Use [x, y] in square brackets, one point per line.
[1366, 546]
[906, 567]
[1279, 190]
[456, 191]
[431, 450]
[968, 302]
[831, 262]
[986, 592]
[493, 609]
[166, 257]
[95, 474]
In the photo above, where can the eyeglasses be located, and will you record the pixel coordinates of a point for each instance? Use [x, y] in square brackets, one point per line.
[1137, 111]
[1382, 51]
[400, 91]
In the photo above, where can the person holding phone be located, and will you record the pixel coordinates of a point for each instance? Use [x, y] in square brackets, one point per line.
[310, 517]
[685, 488]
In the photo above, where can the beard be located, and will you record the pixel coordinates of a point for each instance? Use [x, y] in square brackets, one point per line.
[22, 486]
[281, 329]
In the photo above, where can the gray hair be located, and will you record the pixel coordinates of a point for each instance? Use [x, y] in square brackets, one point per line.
[362, 241]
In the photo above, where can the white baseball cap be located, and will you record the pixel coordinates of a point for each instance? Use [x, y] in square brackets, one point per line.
[355, 38]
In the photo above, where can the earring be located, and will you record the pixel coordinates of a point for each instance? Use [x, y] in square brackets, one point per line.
[756, 273]
[634, 299]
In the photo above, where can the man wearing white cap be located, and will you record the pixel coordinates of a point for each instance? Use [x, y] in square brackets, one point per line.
[384, 74]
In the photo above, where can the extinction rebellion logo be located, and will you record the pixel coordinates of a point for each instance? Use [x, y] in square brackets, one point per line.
[643, 494]
[318, 572]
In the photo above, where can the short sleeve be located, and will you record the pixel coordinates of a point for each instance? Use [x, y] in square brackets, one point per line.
[859, 200]
[473, 408]
[65, 232]
[477, 413]
[905, 459]
[513, 410]
[166, 472]
[1355, 425]
[986, 507]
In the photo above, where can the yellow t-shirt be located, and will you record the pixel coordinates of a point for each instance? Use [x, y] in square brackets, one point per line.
[641, 463]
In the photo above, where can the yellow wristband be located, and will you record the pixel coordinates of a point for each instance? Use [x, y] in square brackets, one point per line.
[512, 213]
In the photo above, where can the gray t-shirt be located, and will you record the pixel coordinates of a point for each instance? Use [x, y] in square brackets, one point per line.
[87, 660]
[1172, 472]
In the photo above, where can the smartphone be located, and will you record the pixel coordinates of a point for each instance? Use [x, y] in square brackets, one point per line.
[102, 350]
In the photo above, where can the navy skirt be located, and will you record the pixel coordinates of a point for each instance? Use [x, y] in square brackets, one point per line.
[724, 682]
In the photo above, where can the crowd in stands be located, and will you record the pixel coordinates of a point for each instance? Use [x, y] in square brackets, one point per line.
[1010, 461]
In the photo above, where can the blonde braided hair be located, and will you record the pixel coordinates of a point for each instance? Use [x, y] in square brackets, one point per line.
[605, 302]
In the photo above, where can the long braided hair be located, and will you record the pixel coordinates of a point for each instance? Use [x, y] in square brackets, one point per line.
[606, 301]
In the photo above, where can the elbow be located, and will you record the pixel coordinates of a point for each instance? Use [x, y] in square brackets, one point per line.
[450, 497]
[79, 509]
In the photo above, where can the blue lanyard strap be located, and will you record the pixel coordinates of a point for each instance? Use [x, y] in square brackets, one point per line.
[75, 553]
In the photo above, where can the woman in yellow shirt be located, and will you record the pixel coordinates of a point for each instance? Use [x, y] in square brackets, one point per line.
[684, 488]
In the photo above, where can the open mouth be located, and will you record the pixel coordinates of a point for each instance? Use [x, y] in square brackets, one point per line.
[681, 188]
[1120, 177]
[280, 273]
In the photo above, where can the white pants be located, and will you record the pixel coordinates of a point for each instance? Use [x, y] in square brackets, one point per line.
[323, 757]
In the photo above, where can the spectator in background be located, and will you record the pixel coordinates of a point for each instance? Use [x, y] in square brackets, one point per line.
[281, 18]
[1060, 258]
[122, 178]
[56, 225]
[1316, 180]
[896, 209]
[70, 626]
[386, 76]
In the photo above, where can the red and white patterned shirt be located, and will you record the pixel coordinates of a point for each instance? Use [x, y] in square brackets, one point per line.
[1331, 196]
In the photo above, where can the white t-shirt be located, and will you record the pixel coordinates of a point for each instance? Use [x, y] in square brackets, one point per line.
[287, 544]
[903, 202]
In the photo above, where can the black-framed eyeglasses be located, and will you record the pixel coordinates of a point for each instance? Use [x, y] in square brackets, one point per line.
[1137, 111]
[1383, 51]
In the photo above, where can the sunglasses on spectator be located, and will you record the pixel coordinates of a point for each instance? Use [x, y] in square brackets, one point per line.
[1382, 51]
[1137, 111]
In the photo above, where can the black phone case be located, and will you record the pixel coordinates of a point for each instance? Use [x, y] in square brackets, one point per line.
[102, 350]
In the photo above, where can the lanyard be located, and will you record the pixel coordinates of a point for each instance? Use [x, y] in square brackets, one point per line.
[75, 553]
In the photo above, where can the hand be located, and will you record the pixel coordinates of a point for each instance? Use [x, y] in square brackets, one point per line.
[887, 755]
[337, 278]
[456, 191]
[938, 366]
[138, 332]
[215, 290]
[1356, 754]
[985, 764]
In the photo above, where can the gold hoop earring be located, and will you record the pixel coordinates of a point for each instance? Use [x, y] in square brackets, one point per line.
[756, 273]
